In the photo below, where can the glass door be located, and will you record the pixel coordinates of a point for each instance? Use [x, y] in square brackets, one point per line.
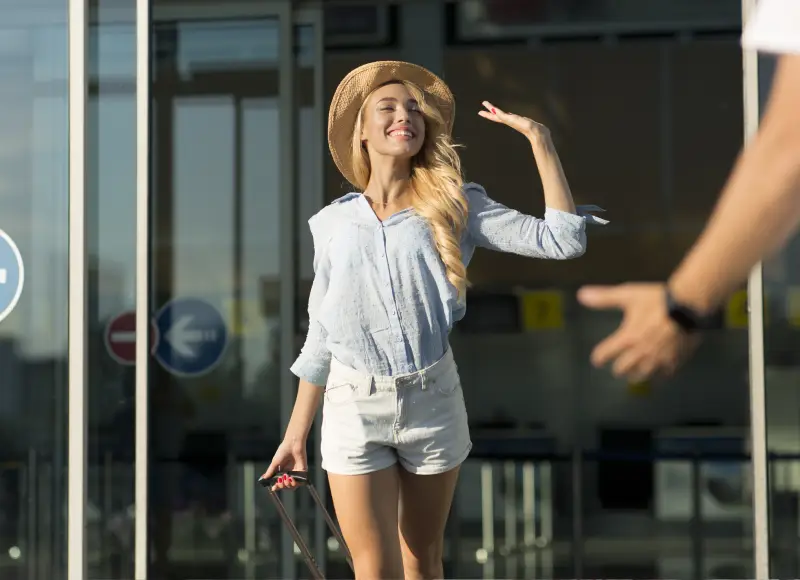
[34, 286]
[234, 96]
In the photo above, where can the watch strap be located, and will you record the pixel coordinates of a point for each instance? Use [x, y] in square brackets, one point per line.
[688, 319]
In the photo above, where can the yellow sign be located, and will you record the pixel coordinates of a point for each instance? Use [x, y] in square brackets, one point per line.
[640, 389]
[793, 306]
[244, 317]
[736, 310]
[542, 310]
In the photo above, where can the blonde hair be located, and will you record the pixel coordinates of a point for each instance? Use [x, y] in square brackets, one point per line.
[436, 184]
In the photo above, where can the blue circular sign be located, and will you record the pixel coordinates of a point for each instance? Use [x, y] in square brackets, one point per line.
[192, 336]
[12, 275]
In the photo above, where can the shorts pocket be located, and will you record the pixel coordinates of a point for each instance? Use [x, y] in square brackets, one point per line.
[448, 383]
[340, 392]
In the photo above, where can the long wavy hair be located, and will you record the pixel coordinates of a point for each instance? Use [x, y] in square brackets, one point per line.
[436, 184]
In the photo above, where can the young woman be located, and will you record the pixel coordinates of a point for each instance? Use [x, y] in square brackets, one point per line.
[390, 282]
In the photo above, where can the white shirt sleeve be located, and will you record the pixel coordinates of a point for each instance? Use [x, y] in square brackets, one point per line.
[774, 27]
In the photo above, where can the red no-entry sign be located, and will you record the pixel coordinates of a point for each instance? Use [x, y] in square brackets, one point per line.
[120, 338]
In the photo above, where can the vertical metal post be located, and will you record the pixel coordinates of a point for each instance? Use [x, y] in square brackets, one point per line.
[698, 553]
[487, 519]
[141, 467]
[511, 518]
[529, 518]
[755, 304]
[76, 479]
[320, 124]
[288, 264]
[250, 521]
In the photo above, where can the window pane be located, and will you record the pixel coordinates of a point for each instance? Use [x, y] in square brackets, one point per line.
[33, 329]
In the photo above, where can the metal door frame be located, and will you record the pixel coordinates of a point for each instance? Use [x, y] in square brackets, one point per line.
[759, 464]
[78, 278]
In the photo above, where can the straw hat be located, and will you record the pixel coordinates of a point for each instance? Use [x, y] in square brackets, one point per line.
[356, 87]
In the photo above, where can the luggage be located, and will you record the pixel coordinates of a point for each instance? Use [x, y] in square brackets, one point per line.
[301, 477]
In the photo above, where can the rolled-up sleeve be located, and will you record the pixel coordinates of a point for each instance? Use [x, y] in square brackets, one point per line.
[314, 361]
[559, 236]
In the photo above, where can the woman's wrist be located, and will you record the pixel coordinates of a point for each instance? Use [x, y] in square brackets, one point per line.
[540, 141]
[296, 436]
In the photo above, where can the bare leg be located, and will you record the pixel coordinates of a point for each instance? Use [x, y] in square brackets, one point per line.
[424, 506]
[366, 507]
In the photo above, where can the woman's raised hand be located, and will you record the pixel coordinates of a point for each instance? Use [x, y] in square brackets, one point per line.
[528, 127]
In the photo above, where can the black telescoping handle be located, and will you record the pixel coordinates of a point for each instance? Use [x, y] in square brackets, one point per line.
[301, 477]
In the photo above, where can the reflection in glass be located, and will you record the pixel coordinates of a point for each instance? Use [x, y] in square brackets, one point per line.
[110, 202]
[216, 237]
[33, 337]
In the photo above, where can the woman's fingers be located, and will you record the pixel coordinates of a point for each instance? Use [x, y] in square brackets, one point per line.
[492, 113]
[490, 116]
[285, 482]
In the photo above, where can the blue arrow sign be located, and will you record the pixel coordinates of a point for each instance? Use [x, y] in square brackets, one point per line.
[193, 336]
[12, 275]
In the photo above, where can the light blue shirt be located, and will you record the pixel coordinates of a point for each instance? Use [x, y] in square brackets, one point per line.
[381, 302]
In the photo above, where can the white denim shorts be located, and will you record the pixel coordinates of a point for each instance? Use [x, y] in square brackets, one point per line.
[372, 422]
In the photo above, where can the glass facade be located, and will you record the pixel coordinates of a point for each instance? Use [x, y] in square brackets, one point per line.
[573, 473]
[34, 162]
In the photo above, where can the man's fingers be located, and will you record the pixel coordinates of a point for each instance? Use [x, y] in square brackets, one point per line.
[602, 297]
[609, 349]
[628, 363]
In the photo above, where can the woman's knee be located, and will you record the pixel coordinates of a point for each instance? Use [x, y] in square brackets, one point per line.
[423, 562]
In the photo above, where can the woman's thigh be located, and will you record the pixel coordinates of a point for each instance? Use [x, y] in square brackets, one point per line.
[366, 508]
[425, 502]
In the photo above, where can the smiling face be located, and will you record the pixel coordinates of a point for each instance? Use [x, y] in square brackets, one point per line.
[393, 124]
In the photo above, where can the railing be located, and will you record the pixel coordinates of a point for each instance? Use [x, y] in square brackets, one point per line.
[519, 530]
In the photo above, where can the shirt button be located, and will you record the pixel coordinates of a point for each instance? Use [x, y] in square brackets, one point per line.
[394, 312]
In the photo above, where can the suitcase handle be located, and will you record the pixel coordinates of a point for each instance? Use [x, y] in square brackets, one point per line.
[301, 477]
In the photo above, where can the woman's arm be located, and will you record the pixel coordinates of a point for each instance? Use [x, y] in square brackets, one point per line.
[303, 413]
[561, 235]
[490, 224]
[556, 189]
[314, 361]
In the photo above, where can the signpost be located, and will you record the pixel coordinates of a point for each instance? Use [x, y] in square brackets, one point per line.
[12, 275]
[192, 337]
[120, 338]
[189, 337]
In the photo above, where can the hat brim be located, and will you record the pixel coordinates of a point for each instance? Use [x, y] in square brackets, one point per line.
[357, 86]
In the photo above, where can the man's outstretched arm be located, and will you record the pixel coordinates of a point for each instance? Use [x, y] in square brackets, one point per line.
[759, 208]
[757, 212]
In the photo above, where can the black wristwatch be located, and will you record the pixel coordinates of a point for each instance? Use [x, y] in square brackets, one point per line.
[686, 318]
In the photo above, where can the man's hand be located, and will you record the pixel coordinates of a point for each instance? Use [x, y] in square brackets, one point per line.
[648, 342]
